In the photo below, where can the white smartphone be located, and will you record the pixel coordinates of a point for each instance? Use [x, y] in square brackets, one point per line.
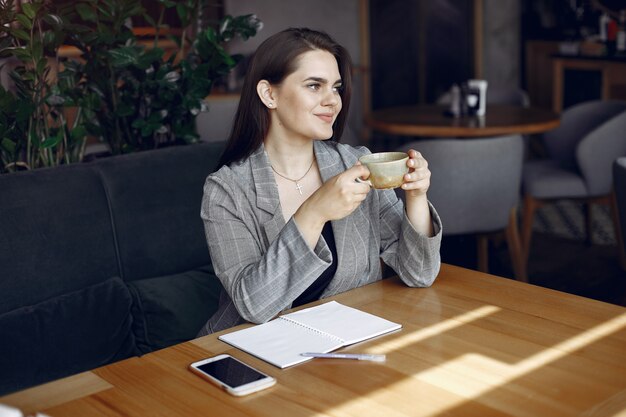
[232, 375]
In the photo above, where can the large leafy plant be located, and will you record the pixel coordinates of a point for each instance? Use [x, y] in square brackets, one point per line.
[34, 131]
[138, 98]
[131, 94]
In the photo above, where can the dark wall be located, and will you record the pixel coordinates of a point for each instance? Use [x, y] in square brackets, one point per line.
[449, 45]
[419, 48]
[394, 37]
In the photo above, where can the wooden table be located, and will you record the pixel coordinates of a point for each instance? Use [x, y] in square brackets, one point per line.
[471, 345]
[430, 120]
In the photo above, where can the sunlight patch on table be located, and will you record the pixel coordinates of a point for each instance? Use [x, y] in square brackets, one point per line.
[472, 375]
[434, 330]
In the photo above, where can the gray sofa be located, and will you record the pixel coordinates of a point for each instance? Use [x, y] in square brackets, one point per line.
[101, 261]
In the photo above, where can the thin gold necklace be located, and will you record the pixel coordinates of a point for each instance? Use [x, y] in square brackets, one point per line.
[298, 186]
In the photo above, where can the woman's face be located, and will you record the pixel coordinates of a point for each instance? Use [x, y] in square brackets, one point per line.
[307, 102]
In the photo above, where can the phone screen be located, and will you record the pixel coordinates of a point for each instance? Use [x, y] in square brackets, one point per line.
[231, 372]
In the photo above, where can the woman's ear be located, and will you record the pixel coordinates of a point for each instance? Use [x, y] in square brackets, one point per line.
[264, 90]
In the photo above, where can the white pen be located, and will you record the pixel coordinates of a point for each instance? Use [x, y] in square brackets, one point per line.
[359, 356]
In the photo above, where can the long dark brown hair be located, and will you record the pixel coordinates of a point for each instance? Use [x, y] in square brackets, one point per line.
[274, 60]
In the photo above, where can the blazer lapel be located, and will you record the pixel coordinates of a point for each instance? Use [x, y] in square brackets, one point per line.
[267, 198]
[349, 232]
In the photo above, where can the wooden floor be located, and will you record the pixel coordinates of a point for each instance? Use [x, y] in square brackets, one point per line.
[555, 262]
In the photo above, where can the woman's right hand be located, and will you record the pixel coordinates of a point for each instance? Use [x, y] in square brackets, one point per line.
[337, 197]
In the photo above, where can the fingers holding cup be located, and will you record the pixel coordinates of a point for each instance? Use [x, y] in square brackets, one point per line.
[417, 180]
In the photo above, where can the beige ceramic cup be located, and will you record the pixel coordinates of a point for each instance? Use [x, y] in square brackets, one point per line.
[387, 169]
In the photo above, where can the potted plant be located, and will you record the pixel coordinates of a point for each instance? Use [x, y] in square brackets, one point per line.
[123, 91]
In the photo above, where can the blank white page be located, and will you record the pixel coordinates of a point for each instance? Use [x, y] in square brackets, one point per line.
[280, 342]
[347, 323]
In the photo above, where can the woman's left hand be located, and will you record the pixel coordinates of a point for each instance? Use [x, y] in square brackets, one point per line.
[417, 181]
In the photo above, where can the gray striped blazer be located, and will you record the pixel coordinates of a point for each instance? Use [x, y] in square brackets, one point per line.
[264, 263]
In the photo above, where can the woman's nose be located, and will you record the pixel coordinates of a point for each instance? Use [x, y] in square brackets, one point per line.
[331, 98]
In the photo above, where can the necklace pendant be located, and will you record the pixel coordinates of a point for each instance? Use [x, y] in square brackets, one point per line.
[299, 187]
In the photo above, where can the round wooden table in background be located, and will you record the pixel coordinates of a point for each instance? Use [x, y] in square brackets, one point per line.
[431, 121]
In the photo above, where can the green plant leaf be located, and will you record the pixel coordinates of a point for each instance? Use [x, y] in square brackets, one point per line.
[125, 110]
[20, 53]
[6, 102]
[124, 56]
[86, 12]
[148, 129]
[210, 35]
[41, 65]
[228, 60]
[149, 19]
[53, 20]
[78, 133]
[77, 29]
[24, 110]
[133, 10]
[167, 3]
[182, 11]
[29, 10]
[52, 141]
[8, 145]
[146, 59]
[50, 41]
[34, 138]
[154, 119]
[37, 49]
[24, 21]
[104, 12]
[20, 34]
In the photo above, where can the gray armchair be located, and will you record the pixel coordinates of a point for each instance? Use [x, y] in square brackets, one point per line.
[581, 151]
[619, 185]
[475, 187]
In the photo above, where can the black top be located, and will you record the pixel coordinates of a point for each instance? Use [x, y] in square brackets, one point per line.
[316, 289]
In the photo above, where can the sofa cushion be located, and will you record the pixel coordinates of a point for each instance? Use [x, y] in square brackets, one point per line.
[64, 335]
[172, 309]
[155, 201]
[55, 234]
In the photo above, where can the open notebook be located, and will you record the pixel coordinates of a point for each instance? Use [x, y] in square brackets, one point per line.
[323, 328]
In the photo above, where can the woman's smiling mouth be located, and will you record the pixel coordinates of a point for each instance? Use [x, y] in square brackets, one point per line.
[327, 117]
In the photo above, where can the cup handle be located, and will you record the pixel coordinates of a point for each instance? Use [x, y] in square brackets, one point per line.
[368, 182]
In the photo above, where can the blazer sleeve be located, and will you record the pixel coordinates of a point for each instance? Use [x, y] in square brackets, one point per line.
[260, 283]
[414, 256]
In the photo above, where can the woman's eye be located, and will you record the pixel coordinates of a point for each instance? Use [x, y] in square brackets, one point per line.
[337, 88]
[314, 86]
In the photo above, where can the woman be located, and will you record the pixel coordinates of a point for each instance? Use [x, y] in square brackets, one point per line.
[285, 219]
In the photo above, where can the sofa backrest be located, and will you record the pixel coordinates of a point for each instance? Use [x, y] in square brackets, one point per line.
[55, 234]
[155, 200]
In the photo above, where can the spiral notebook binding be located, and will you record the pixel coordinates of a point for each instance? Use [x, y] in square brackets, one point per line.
[313, 329]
